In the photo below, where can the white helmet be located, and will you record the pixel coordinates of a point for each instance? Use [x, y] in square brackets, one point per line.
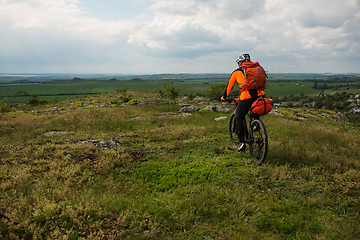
[243, 58]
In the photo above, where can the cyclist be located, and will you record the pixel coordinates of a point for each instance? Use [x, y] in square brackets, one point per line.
[247, 97]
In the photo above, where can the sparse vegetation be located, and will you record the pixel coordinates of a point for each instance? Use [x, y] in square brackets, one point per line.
[215, 92]
[96, 168]
[169, 91]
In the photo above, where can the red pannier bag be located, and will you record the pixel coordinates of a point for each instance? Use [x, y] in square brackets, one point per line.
[261, 106]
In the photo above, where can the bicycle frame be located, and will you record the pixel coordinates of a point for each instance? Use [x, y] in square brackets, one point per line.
[246, 126]
[255, 135]
[250, 118]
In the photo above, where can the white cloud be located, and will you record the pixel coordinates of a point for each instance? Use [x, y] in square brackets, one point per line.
[186, 36]
[40, 13]
[42, 35]
[183, 8]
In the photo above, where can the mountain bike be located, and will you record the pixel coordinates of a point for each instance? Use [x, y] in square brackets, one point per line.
[255, 135]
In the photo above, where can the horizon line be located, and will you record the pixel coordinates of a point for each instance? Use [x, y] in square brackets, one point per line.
[180, 73]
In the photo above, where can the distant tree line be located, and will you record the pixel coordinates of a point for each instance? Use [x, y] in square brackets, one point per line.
[326, 85]
[336, 83]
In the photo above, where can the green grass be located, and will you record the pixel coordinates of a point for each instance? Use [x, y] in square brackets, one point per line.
[21, 92]
[59, 90]
[282, 88]
[144, 172]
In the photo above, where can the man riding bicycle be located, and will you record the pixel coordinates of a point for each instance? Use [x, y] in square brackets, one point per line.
[247, 97]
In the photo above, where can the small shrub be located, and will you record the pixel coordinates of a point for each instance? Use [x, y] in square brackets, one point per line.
[215, 92]
[122, 91]
[34, 100]
[169, 91]
[4, 106]
[191, 96]
[115, 101]
[126, 98]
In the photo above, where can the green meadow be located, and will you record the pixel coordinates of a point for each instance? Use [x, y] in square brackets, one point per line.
[57, 90]
[128, 165]
[20, 88]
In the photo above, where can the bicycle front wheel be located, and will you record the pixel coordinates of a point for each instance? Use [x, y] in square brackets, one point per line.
[258, 141]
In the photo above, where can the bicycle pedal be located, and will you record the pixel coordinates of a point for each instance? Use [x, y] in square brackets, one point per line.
[242, 148]
[256, 128]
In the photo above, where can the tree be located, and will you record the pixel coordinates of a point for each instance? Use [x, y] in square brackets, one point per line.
[315, 85]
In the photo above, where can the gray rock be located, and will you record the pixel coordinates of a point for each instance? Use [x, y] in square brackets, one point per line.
[188, 109]
[211, 108]
[52, 133]
[220, 118]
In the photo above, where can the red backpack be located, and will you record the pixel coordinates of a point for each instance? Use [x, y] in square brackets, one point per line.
[255, 76]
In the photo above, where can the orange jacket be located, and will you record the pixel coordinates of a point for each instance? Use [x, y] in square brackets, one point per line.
[238, 76]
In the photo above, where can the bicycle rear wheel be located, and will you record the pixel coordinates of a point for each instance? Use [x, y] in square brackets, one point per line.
[234, 138]
[258, 141]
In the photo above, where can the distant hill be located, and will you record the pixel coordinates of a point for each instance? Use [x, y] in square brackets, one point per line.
[32, 78]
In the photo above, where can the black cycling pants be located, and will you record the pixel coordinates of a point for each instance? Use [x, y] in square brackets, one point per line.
[241, 110]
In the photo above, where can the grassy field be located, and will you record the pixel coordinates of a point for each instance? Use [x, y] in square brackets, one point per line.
[278, 88]
[98, 168]
[68, 89]
[282, 88]
[19, 89]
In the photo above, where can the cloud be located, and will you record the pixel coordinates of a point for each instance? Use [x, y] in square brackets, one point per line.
[326, 14]
[61, 35]
[241, 9]
[194, 28]
[183, 8]
[54, 35]
[40, 13]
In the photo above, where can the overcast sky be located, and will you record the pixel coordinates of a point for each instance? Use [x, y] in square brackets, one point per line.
[178, 36]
